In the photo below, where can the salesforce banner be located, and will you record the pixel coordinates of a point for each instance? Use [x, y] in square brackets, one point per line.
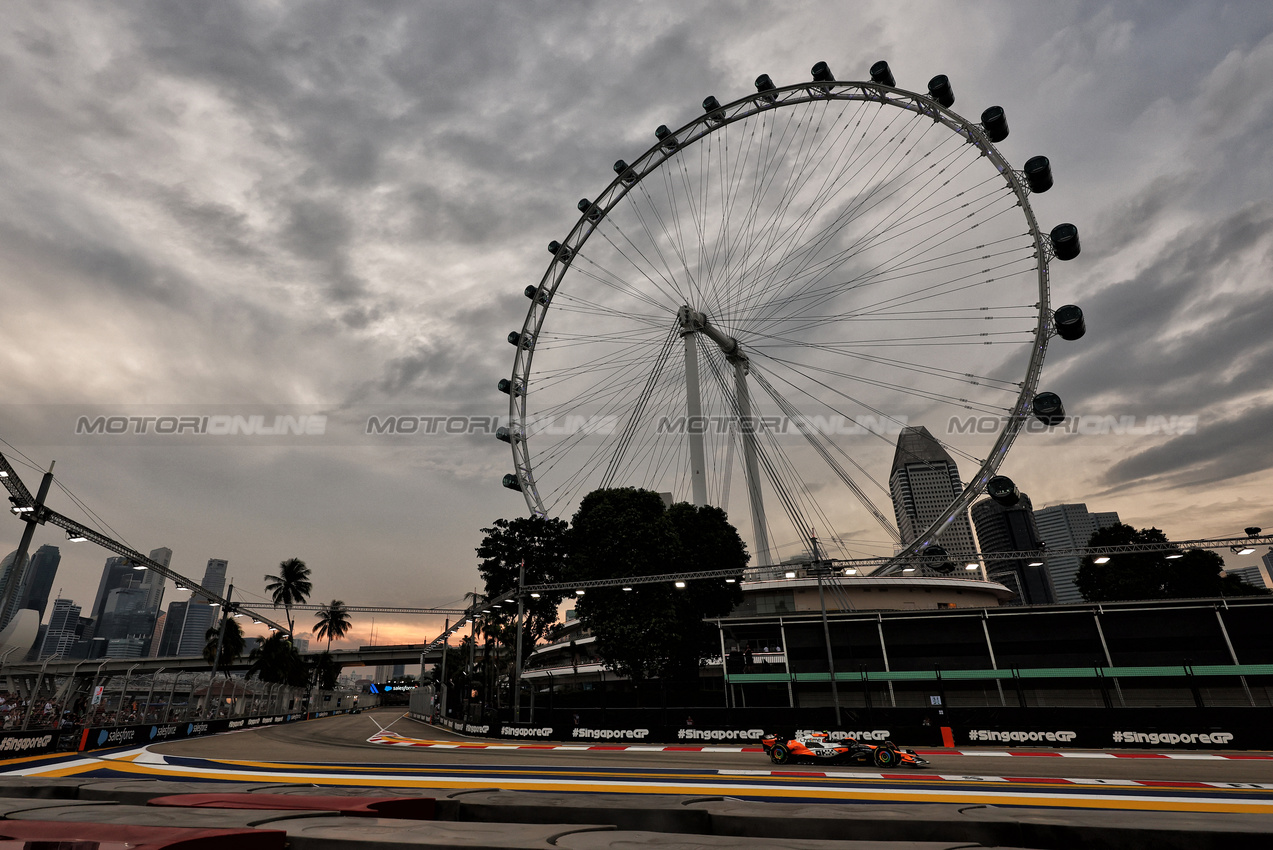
[99, 738]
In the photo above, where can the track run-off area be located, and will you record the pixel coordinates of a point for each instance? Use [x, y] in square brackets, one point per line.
[386, 749]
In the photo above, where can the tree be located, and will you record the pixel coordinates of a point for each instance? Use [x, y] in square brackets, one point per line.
[324, 672]
[653, 630]
[1195, 573]
[539, 543]
[232, 645]
[276, 660]
[290, 587]
[333, 622]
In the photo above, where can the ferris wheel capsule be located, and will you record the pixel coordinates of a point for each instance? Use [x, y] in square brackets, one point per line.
[1048, 409]
[881, 74]
[1069, 323]
[1065, 241]
[764, 85]
[939, 90]
[512, 483]
[1038, 174]
[1003, 490]
[995, 123]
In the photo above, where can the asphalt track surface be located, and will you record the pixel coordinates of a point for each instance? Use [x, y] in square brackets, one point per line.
[336, 751]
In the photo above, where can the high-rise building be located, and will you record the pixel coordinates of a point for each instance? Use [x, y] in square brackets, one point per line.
[1069, 527]
[38, 581]
[214, 576]
[118, 572]
[199, 618]
[1003, 529]
[61, 634]
[174, 622]
[156, 640]
[153, 582]
[200, 615]
[1254, 576]
[924, 481]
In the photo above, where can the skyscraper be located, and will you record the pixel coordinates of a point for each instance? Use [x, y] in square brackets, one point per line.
[118, 572]
[1013, 529]
[1069, 527]
[38, 581]
[214, 576]
[200, 615]
[62, 631]
[924, 481]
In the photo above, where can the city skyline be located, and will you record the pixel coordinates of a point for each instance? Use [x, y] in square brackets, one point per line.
[243, 210]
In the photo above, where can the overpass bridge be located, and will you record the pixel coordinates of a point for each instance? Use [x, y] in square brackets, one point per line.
[66, 676]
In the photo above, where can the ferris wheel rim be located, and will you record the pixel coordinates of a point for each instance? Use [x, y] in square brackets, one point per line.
[703, 127]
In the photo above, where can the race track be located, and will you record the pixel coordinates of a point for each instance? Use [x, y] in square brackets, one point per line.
[341, 751]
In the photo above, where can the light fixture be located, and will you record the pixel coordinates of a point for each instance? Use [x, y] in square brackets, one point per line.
[496, 605]
[970, 567]
[1035, 564]
[180, 586]
[578, 593]
[213, 604]
[22, 509]
[534, 596]
[731, 581]
[1242, 550]
[486, 610]
[3, 474]
[851, 571]
[680, 584]
[236, 615]
[1174, 555]
[1103, 559]
[789, 574]
[140, 567]
[627, 588]
[75, 538]
[256, 622]
[908, 569]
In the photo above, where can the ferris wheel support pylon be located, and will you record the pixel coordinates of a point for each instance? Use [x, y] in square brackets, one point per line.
[694, 421]
[693, 323]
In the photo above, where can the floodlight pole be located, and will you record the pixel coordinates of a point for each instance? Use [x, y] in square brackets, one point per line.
[446, 644]
[818, 569]
[517, 662]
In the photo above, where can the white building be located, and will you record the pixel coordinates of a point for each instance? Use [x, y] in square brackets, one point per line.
[1069, 527]
[924, 481]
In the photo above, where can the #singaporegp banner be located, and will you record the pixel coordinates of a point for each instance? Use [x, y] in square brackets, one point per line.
[1240, 736]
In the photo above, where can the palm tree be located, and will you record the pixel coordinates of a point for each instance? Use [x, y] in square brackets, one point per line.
[231, 645]
[333, 622]
[276, 660]
[290, 587]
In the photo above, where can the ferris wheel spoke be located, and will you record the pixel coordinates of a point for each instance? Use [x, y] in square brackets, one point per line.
[852, 211]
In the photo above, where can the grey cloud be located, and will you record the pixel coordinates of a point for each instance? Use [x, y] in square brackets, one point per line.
[1219, 451]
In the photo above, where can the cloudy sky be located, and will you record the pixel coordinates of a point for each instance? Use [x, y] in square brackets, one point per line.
[234, 207]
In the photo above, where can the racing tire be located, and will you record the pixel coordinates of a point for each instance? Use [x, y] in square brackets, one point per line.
[780, 754]
[885, 757]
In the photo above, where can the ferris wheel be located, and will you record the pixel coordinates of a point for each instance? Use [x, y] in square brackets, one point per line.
[752, 310]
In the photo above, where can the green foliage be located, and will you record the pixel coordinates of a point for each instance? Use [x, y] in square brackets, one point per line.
[654, 630]
[541, 543]
[333, 622]
[290, 587]
[275, 660]
[1151, 575]
[231, 645]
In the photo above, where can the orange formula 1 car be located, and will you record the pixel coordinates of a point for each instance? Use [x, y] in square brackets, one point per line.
[820, 748]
